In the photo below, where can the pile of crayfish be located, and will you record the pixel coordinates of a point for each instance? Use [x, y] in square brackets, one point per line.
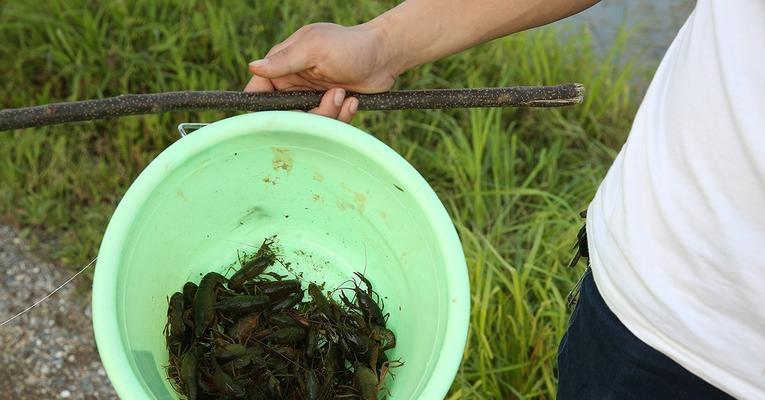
[253, 336]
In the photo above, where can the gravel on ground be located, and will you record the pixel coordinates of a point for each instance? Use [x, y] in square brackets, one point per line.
[50, 352]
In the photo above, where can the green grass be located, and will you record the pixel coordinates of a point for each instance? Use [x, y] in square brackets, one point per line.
[512, 180]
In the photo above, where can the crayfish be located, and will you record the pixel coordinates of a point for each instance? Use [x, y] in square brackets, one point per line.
[255, 336]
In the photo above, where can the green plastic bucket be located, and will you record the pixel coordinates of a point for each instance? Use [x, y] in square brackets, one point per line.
[339, 201]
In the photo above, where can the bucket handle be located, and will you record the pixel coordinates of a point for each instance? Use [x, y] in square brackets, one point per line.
[185, 128]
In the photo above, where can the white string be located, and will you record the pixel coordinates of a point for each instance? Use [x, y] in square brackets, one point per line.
[49, 294]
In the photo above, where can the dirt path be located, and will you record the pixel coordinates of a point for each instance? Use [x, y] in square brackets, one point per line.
[49, 353]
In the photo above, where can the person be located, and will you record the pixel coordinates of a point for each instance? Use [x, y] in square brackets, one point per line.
[670, 309]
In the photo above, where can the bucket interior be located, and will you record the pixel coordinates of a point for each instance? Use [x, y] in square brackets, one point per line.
[333, 210]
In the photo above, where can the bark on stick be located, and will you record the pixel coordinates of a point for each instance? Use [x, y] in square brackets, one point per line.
[134, 104]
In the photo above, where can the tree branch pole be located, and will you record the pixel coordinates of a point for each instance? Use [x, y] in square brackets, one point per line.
[134, 104]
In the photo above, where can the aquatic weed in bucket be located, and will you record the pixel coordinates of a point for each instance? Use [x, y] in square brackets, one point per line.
[339, 200]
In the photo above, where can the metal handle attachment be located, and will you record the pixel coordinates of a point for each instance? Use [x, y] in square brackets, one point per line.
[185, 128]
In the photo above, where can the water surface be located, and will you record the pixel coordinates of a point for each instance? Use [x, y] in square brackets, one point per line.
[655, 23]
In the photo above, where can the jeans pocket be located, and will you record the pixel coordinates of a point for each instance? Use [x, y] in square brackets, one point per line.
[571, 319]
[575, 295]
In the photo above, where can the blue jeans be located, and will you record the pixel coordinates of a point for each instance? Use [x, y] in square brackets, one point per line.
[599, 358]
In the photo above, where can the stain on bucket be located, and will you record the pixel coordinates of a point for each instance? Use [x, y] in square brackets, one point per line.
[282, 159]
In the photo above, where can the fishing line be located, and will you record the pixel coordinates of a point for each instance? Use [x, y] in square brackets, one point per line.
[50, 294]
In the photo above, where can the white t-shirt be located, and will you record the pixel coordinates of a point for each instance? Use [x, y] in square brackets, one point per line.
[677, 228]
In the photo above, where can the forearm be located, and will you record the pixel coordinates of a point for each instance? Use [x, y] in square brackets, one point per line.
[420, 31]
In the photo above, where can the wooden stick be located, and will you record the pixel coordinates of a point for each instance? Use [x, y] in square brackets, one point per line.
[133, 104]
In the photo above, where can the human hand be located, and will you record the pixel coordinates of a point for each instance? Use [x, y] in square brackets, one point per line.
[327, 56]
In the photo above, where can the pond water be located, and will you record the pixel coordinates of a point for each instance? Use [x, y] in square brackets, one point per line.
[655, 23]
